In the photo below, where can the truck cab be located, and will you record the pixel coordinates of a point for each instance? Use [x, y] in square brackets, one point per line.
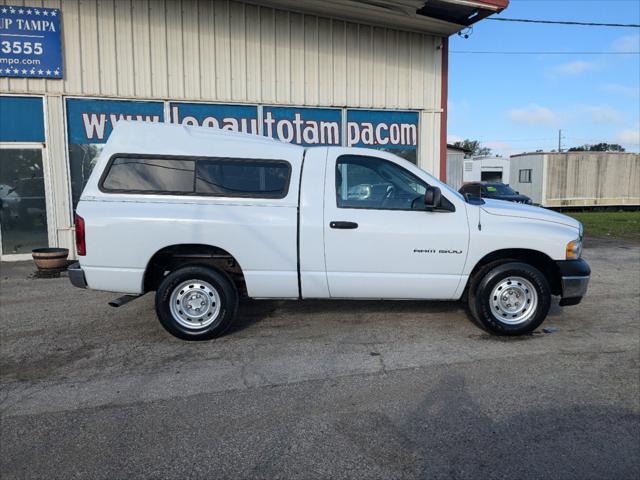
[202, 217]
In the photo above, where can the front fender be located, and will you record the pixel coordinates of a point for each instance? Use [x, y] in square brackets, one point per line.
[490, 233]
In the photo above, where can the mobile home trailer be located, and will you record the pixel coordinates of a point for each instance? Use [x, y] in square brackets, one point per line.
[578, 179]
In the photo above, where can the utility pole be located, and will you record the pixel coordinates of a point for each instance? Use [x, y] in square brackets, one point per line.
[560, 140]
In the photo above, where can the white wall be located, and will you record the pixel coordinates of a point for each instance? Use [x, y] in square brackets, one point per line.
[455, 165]
[536, 163]
[230, 51]
[474, 167]
[235, 52]
[592, 178]
[495, 164]
[579, 178]
[471, 171]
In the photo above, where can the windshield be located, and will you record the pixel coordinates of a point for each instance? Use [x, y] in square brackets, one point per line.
[500, 189]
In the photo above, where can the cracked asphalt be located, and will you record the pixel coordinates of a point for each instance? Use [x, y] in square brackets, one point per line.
[319, 389]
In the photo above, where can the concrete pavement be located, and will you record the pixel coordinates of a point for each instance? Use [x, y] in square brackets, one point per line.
[320, 389]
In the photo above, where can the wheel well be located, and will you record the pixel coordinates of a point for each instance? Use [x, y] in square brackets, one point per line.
[534, 258]
[170, 258]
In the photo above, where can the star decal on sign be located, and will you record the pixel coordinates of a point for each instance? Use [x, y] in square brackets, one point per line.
[24, 10]
[29, 11]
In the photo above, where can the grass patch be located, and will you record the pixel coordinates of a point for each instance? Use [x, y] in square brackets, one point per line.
[610, 224]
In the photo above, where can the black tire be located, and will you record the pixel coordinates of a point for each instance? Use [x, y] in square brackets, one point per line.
[480, 298]
[222, 286]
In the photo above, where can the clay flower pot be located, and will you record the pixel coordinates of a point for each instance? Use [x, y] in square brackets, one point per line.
[50, 260]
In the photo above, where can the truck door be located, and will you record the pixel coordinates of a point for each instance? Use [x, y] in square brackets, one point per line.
[380, 242]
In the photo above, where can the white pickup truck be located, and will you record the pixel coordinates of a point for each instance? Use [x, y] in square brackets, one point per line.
[204, 216]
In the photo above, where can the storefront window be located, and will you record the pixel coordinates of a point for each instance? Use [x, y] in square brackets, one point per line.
[89, 124]
[23, 213]
[392, 131]
[309, 127]
[82, 159]
[91, 121]
[23, 210]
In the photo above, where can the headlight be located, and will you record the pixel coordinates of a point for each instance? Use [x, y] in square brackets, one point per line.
[581, 231]
[574, 249]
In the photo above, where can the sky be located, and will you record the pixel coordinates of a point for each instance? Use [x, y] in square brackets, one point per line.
[517, 103]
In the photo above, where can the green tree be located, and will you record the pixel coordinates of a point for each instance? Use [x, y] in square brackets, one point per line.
[598, 147]
[474, 148]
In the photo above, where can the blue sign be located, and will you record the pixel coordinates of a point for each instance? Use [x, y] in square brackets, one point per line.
[21, 119]
[236, 118]
[30, 44]
[385, 129]
[92, 121]
[303, 126]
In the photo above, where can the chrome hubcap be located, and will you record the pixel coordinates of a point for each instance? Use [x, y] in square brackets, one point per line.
[514, 300]
[195, 304]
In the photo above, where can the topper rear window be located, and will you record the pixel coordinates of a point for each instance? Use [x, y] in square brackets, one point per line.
[226, 177]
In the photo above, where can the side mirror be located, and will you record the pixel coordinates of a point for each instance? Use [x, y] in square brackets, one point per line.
[432, 198]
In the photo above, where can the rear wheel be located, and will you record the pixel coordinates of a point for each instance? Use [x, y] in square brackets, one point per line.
[510, 299]
[196, 302]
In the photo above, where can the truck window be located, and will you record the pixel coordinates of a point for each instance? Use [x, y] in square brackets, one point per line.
[257, 178]
[374, 183]
[151, 175]
[226, 177]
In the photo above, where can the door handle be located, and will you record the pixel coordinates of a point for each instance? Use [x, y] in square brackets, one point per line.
[343, 225]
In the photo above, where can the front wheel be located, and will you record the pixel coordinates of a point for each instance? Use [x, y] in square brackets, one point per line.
[196, 302]
[510, 299]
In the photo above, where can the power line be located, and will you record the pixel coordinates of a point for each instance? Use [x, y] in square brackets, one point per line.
[496, 52]
[546, 139]
[564, 22]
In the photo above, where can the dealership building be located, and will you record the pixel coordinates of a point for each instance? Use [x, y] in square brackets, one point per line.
[370, 73]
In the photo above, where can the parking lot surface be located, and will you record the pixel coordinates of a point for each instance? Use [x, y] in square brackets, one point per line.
[320, 389]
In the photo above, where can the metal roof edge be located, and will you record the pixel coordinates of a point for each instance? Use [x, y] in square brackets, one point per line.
[581, 152]
[404, 17]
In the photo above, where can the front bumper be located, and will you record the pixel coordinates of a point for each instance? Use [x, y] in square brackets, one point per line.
[76, 275]
[574, 280]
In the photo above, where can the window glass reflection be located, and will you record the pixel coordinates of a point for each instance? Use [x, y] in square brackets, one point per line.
[150, 175]
[82, 159]
[242, 177]
[370, 182]
[23, 215]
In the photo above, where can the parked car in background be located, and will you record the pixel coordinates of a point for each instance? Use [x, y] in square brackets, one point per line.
[495, 190]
